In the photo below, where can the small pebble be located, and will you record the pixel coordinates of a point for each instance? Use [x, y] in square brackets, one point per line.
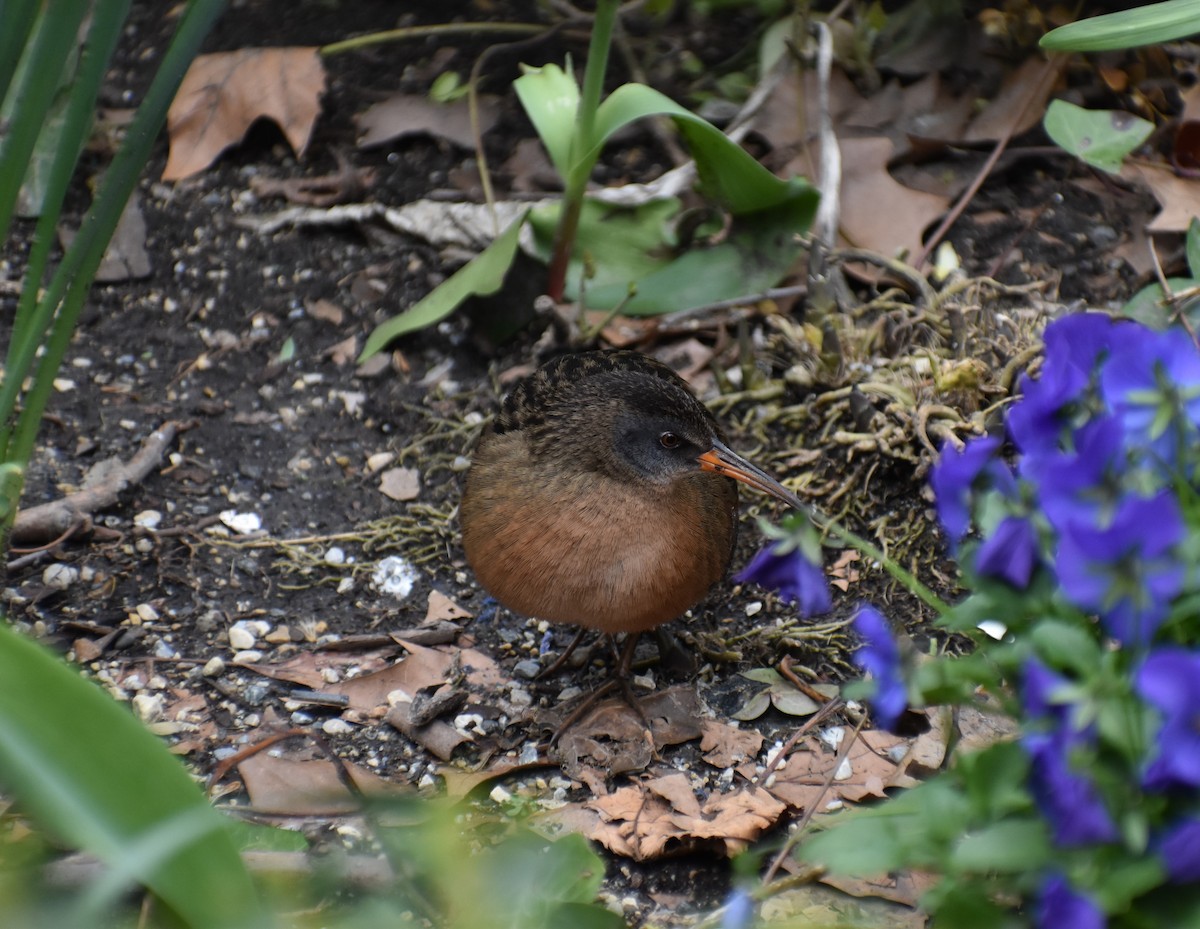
[335, 556]
[528, 669]
[60, 576]
[519, 697]
[336, 726]
[149, 707]
[148, 519]
[500, 796]
[569, 693]
[249, 656]
[146, 613]
[529, 753]
[214, 667]
[240, 638]
[753, 609]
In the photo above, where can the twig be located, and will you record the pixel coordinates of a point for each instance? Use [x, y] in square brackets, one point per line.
[73, 513]
[1053, 67]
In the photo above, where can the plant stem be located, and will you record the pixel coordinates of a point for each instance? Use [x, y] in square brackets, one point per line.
[420, 32]
[582, 145]
[905, 577]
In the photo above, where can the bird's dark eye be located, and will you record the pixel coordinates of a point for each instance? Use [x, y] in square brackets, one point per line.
[668, 440]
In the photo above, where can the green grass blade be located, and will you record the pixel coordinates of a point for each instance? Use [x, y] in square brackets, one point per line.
[52, 40]
[1147, 25]
[69, 141]
[69, 287]
[86, 770]
[18, 17]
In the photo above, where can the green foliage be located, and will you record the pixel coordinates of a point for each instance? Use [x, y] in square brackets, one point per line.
[48, 124]
[1150, 305]
[607, 271]
[1147, 25]
[1102, 138]
[92, 776]
[482, 275]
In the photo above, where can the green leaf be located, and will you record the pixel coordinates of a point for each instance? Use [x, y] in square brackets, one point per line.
[617, 245]
[1010, 846]
[550, 97]
[86, 770]
[1147, 25]
[1192, 243]
[1064, 645]
[1102, 138]
[1150, 307]
[757, 253]
[915, 829]
[482, 275]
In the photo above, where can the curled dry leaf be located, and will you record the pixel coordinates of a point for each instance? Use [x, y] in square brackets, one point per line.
[224, 93]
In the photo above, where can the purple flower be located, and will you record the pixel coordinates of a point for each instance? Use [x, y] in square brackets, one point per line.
[1083, 485]
[880, 657]
[1170, 679]
[797, 579]
[1063, 907]
[1127, 573]
[1073, 346]
[955, 474]
[1067, 798]
[1180, 851]
[1152, 384]
[1010, 552]
[739, 911]
[1038, 685]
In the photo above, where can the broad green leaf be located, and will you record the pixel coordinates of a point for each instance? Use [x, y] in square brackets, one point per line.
[758, 252]
[1147, 25]
[550, 97]
[1009, 846]
[482, 275]
[1064, 645]
[728, 174]
[1102, 138]
[88, 772]
[617, 244]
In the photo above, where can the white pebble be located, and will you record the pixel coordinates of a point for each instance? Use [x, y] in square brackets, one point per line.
[214, 667]
[240, 638]
[60, 576]
[335, 556]
[149, 707]
[249, 656]
[336, 726]
[148, 519]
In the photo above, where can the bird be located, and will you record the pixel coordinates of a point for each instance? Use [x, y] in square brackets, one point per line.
[604, 496]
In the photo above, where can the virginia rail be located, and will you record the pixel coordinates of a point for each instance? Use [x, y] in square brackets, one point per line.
[600, 496]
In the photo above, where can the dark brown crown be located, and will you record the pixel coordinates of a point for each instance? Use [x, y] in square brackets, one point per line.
[526, 405]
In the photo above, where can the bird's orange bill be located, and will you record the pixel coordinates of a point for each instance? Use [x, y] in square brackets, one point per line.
[724, 460]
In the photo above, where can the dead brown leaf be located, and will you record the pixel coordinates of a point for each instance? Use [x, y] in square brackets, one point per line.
[878, 213]
[725, 745]
[224, 93]
[1178, 196]
[662, 816]
[613, 739]
[422, 668]
[409, 114]
[1019, 105]
[439, 737]
[305, 788]
[441, 608]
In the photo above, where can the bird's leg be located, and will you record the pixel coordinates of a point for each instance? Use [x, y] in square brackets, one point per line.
[561, 660]
[617, 680]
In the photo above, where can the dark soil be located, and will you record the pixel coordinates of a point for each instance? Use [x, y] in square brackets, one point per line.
[222, 336]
